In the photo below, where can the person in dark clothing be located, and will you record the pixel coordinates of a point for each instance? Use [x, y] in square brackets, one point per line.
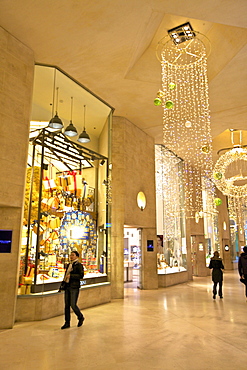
[217, 275]
[242, 268]
[74, 272]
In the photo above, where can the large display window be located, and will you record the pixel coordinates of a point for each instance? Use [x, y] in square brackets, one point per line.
[171, 238]
[67, 197]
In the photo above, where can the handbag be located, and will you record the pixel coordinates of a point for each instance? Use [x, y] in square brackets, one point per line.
[63, 286]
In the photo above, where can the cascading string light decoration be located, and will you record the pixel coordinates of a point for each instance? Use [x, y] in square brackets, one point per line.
[169, 190]
[186, 116]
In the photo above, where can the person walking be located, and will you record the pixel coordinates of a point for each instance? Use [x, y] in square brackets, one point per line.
[217, 274]
[74, 272]
[242, 268]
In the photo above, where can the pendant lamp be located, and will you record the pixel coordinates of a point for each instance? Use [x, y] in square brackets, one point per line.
[55, 122]
[70, 129]
[84, 137]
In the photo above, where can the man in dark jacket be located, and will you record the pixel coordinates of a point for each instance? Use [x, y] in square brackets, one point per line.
[217, 275]
[242, 268]
[73, 274]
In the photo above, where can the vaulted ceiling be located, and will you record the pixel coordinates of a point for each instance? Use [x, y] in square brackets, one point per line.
[109, 46]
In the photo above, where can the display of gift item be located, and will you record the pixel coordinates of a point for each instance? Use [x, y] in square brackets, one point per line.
[59, 216]
[171, 260]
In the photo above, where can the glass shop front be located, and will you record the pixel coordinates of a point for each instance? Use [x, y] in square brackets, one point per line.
[171, 239]
[67, 203]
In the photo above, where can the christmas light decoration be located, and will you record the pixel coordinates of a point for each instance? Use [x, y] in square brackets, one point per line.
[186, 118]
[169, 190]
[230, 177]
[218, 201]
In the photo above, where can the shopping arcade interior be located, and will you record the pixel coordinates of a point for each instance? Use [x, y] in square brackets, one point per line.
[221, 85]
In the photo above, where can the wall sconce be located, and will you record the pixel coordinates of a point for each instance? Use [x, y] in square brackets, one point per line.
[141, 200]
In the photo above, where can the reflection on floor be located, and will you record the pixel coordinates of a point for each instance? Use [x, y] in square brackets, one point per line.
[180, 327]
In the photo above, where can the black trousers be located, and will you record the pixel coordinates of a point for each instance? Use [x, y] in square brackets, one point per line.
[245, 278]
[215, 288]
[70, 300]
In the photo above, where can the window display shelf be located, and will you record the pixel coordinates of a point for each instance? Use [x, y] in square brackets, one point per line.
[53, 284]
[171, 270]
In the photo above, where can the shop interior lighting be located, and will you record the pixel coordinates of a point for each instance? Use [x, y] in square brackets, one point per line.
[56, 122]
[181, 33]
[102, 162]
[70, 130]
[84, 137]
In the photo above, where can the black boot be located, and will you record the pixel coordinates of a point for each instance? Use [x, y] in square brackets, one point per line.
[66, 325]
[80, 321]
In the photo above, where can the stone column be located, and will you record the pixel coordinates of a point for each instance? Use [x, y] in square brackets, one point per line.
[118, 194]
[133, 171]
[149, 278]
[16, 84]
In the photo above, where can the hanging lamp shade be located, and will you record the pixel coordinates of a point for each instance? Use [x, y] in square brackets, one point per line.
[55, 122]
[71, 130]
[84, 137]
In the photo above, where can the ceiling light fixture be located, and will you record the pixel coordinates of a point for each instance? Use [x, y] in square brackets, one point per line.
[102, 162]
[84, 137]
[181, 33]
[71, 130]
[55, 122]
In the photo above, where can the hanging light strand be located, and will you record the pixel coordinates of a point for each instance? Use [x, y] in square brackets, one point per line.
[186, 116]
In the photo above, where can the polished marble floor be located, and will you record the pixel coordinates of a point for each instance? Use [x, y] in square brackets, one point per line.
[177, 328]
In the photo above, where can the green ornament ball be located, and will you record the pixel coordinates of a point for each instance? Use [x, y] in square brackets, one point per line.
[217, 176]
[218, 201]
[157, 101]
[169, 104]
[205, 149]
[172, 85]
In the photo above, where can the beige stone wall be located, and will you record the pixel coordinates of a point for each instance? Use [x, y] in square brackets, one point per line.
[16, 83]
[41, 307]
[166, 280]
[133, 171]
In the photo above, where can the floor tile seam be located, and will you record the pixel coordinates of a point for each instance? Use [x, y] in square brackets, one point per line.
[216, 336]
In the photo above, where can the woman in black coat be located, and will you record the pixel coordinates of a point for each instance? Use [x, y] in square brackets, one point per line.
[217, 275]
